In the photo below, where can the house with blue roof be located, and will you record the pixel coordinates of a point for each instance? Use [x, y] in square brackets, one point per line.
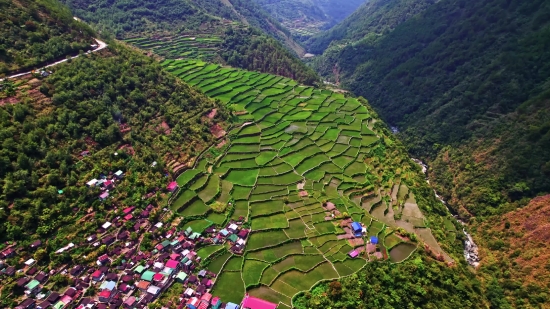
[357, 229]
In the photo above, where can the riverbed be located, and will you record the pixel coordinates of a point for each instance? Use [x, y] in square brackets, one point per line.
[471, 253]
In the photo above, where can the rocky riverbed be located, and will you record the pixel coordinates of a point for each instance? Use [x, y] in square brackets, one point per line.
[471, 253]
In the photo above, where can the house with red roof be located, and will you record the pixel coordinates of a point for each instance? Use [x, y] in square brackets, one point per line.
[128, 210]
[97, 275]
[173, 264]
[105, 295]
[158, 277]
[250, 302]
[172, 186]
[102, 260]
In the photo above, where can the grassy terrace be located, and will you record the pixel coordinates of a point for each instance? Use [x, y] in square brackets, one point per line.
[294, 153]
[198, 46]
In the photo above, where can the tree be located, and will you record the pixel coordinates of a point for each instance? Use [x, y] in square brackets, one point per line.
[335, 289]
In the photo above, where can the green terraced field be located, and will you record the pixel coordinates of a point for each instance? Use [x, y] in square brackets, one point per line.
[194, 46]
[295, 149]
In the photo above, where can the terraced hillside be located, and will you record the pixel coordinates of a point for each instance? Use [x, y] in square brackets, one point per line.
[300, 165]
[197, 46]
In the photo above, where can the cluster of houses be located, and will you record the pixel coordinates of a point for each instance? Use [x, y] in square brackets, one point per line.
[105, 183]
[123, 276]
[137, 278]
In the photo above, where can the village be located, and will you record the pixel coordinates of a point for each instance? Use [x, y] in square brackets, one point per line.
[123, 276]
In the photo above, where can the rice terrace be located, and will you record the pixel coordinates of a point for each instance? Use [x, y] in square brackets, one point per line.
[197, 45]
[317, 179]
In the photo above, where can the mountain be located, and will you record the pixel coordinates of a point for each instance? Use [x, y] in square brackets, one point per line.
[199, 29]
[301, 156]
[121, 103]
[467, 85]
[372, 19]
[35, 32]
[307, 17]
[453, 73]
[515, 245]
[249, 49]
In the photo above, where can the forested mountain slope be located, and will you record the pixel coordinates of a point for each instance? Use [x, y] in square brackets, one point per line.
[197, 29]
[127, 18]
[451, 73]
[34, 32]
[249, 49]
[372, 19]
[307, 17]
[117, 103]
[467, 84]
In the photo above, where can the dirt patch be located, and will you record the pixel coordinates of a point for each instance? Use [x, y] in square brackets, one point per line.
[212, 113]
[165, 128]
[217, 131]
[356, 242]
[221, 144]
[10, 100]
[127, 148]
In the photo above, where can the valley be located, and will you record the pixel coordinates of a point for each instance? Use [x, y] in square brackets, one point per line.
[259, 154]
[301, 165]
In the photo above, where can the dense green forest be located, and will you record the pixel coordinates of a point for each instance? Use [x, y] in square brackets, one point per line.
[304, 17]
[444, 76]
[34, 32]
[119, 103]
[128, 18]
[247, 48]
[466, 83]
[502, 166]
[417, 283]
[371, 20]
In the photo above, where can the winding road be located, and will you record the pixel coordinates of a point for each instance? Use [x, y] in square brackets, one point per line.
[100, 45]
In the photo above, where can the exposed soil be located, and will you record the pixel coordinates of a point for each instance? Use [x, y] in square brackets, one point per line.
[217, 131]
[212, 113]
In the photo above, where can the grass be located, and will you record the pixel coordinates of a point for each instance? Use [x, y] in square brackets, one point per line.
[296, 157]
[304, 281]
[241, 193]
[311, 162]
[265, 157]
[233, 264]
[229, 286]
[183, 198]
[199, 183]
[268, 275]
[281, 180]
[211, 190]
[205, 252]
[269, 222]
[252, 271]
[187, 176]
[196, 208]
[217, 218]
[266, 239]
[266, 293]
[266, 207]
[198, 225]
[391, 241]
[226, 188]
[243, 178]
[216, 264]
[296, 229]
[241, 210]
